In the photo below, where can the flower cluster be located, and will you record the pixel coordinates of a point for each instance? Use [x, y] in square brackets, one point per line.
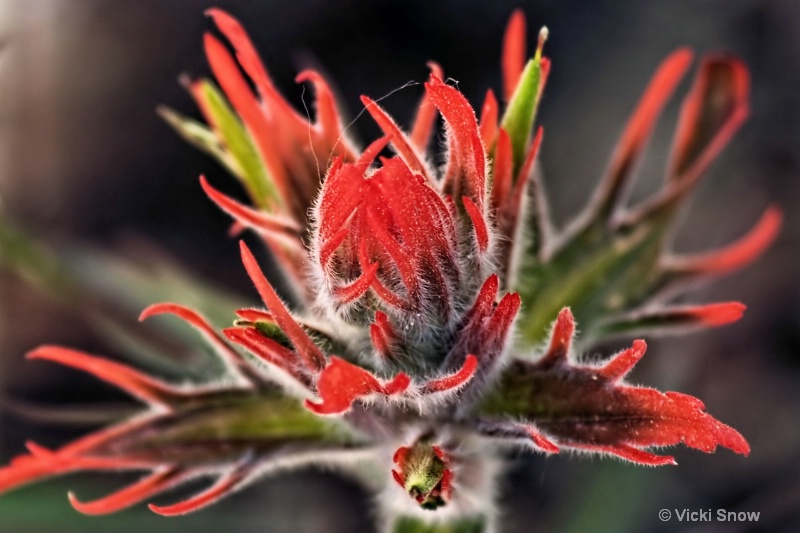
[407, 285]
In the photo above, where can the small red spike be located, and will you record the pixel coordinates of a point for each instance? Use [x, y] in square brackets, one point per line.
[225, 485]
[446, 483]
[276, 229]
[154, 483]
[478, 224]
[455, 380]
[484, 302]
[382, 321]
[254, 315]
[719, 314]
[341, 383]
[266, 349]
[526, 171]
[426, 115]
[398, 479]
[623, 362]
[489, 117]
[330, 246]
[466, 166]
[502, 174]
[370, 153]
[711, 113]
[401, 143]
[629, 453]
[132, 381]
[541, 441]
[514, 51]
[327, 116]
[300, 339]
[561, 338]
[229, 355]
[39, 452]
[736, 255]
[400, 455]
[504, 315]
[397, 385]
[639, 128]
[379, 341]
[357, 288]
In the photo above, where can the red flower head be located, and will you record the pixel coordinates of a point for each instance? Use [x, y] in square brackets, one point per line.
[399, 344]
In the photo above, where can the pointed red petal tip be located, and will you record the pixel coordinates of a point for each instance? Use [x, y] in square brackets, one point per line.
[400, 455]
[456, 380]
[740, 253]
[39, 451]
[150, 485]
[201, 324]
[341, 383]
[639, 128]
[630, 453]
[328, 121]
[225, 485]
[514, 51]
[561, 338]
[137, 384]
[466, 165]
[254, 315]
[305, 346]
[721, 314]
[398, 477]
[619, 366]
[274, 227]
[478, 224]
[399, 139]
[426, 115]
[714, 109]
[358, 287]
[489, 117]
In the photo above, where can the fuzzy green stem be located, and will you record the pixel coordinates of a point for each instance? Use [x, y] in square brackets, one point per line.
[407, 524]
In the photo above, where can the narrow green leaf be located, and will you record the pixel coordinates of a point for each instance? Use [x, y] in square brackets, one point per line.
[112, 290]
[598, 275]
[201, 137]
[241, 146]
[521, 111]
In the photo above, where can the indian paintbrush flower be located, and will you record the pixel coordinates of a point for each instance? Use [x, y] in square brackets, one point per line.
[419, 337]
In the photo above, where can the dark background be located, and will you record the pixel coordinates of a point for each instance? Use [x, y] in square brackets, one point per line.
[83, 157]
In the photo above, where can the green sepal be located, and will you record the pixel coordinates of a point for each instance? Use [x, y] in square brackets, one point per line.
[239, 143]
[112, 290]
[228, 417]
[521, 111]
[422, 472]
[599, 274]
[201, 137]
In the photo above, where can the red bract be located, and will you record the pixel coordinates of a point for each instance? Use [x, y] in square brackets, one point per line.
[404, 342]
[591, 408]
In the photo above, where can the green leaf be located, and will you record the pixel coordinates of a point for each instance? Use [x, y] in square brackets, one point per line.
[241, 146]
[201, 137]
[598, 274]
[112, 291]
[521, 111]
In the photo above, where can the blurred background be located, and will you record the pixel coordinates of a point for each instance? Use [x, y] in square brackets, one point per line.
[86, 164]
